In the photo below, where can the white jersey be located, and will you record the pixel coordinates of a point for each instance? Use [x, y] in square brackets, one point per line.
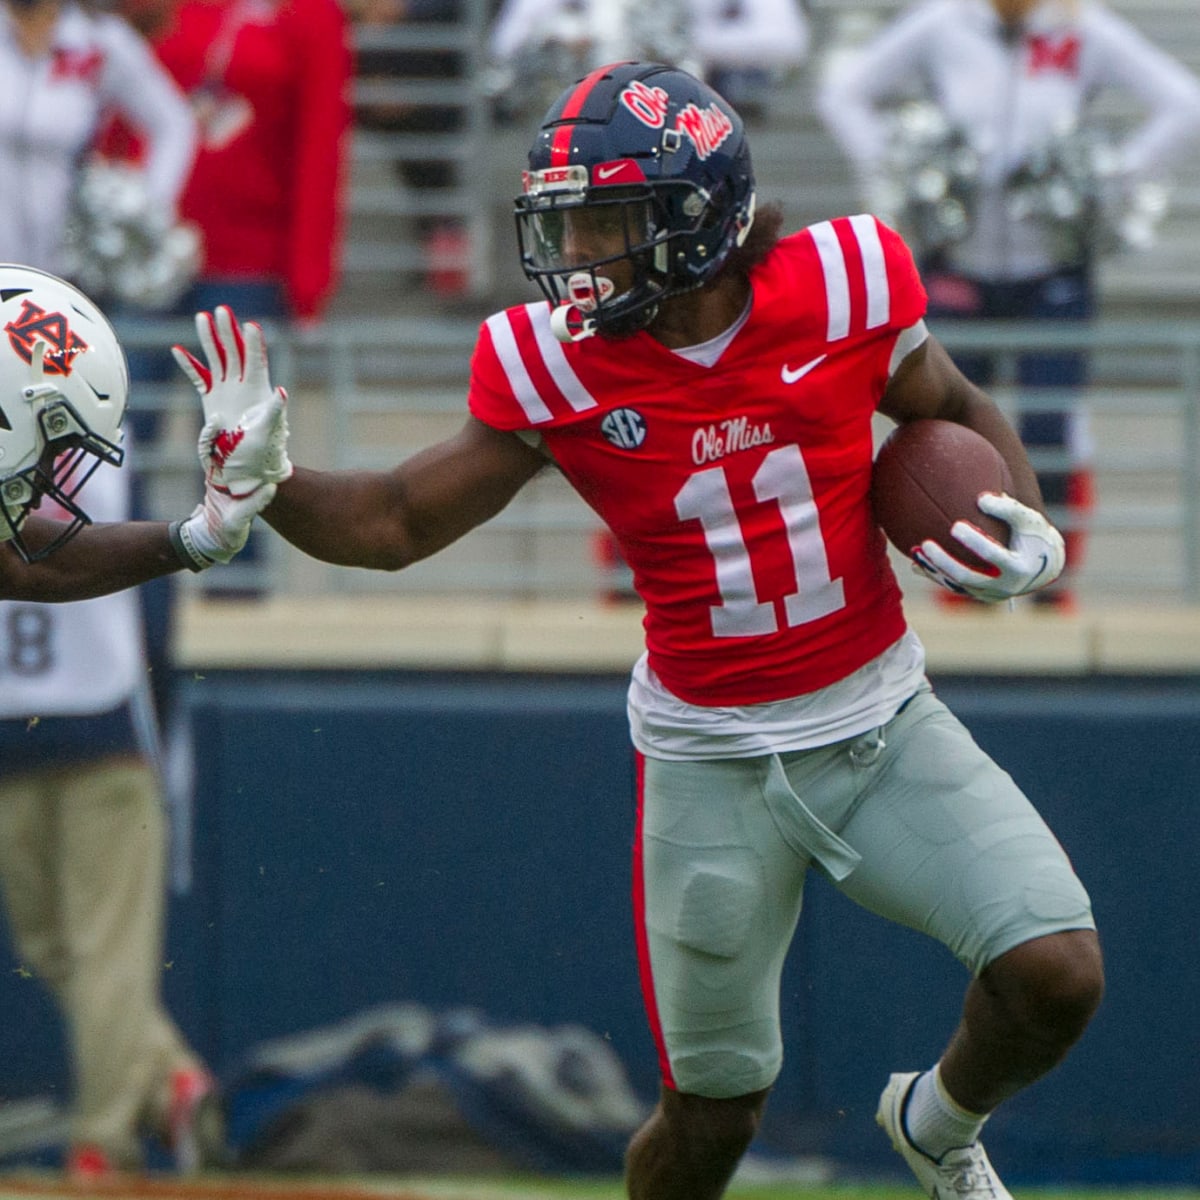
[50, 113]
[76, 659]
[750, 33]
[1011, 96]
[753, 33]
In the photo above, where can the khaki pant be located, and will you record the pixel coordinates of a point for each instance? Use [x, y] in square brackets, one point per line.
[82, 862]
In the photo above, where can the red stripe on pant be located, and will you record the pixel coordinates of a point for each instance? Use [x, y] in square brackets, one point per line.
[642, 934]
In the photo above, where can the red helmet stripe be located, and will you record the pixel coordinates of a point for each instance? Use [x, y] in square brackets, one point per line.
[560, 148]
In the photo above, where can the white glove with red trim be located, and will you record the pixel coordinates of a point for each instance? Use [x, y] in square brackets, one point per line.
[243, 444]
[1034, 556]
[219, 526]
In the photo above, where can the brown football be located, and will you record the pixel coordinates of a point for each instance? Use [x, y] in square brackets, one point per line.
[929, 474]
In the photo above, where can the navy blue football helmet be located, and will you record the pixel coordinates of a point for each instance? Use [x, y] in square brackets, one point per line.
[654, 162]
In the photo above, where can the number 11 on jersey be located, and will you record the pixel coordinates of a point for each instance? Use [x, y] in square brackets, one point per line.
[782, 477]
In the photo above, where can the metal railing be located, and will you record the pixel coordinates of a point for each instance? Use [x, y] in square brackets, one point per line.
[384, 211]
[367, 393]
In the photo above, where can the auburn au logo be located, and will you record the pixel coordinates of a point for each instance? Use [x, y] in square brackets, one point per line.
[35, 325]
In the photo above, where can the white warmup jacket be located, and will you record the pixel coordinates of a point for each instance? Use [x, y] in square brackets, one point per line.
[50, 112]
[747, 33]
[1011, 95]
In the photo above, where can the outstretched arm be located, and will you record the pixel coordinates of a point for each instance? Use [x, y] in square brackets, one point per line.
[380, 519]
[389, 519]
[54, 561]
[105, 558]
[98, 560]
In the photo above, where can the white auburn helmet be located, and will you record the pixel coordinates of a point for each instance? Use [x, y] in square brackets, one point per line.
[64, 384]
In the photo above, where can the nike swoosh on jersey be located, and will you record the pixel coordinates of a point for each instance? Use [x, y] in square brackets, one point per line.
[789, 376]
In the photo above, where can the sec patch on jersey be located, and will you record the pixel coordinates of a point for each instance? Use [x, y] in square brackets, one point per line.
[929, 474]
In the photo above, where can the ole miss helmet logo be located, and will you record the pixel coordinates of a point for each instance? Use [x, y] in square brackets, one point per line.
[36, 325]
[707, 128]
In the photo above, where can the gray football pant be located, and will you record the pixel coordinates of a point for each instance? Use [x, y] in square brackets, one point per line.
[912, 821]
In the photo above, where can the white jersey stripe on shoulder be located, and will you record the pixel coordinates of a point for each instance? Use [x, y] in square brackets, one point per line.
[509, 355]
[879, 297]
[837, 285]
[561, 371]
[906, 342]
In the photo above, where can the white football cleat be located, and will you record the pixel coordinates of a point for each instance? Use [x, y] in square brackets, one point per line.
[963, 1173]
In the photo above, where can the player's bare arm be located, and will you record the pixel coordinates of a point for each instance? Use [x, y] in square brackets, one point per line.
[928, 384]
[99, 560]
[64, 386]
[383, 520]
[389, 519]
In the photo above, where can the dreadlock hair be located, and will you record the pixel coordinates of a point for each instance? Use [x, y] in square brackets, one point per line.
[760, 241]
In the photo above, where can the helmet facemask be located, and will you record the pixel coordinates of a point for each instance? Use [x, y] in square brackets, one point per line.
[64, 385]
[70, 456]
[601, 250]
[660, 160]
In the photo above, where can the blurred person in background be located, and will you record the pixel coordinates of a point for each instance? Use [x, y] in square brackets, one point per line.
[83, 850]
[1031, 188]
[82, 823]
[81, 802]
[709, 386]
[269, 83]
[64, 69]
[745, 48]
[533, 45]
[738, 47]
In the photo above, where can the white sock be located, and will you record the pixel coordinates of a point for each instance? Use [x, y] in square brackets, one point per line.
[933, 1121]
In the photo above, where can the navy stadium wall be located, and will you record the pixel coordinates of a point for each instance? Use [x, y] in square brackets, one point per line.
[460, 839]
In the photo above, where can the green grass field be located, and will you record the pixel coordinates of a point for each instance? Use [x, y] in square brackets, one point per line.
[235, 1187]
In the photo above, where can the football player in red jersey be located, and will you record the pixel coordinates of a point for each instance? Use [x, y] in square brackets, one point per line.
[708, 387]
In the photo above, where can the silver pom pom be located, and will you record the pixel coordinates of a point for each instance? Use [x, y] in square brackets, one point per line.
[928, 179]
[1075, 188]
[575, 39]
[120, 246]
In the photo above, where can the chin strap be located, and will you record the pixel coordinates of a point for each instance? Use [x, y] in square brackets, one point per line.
[568, 323]
[574, 319]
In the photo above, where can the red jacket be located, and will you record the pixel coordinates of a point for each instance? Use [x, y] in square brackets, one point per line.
[271, 85]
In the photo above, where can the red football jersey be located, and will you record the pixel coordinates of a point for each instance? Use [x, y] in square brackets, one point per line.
[739, 492]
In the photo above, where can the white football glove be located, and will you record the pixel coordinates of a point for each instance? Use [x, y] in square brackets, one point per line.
[243, 444]
[219, 526]
[1034, 557]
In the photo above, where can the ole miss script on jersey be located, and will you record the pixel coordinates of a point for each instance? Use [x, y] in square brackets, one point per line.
[738, 492]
